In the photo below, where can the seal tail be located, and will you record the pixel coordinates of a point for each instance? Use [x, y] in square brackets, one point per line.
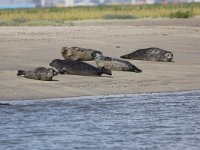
[136, 70]
[125, 56]
[106, 71]
[20, 72]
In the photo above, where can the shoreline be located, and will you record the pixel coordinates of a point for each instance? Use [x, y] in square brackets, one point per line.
[31, 47]
[97, 96]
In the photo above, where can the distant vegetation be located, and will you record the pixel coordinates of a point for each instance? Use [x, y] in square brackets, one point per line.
[118, 16]
[63, 16]
[181, 14]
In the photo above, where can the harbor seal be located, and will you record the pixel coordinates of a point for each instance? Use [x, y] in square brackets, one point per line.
[78, 68]
[39, 73]
[77, 53]
[114, 64]
[150, 54]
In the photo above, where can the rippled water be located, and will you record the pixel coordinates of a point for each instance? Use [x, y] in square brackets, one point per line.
[147, 121]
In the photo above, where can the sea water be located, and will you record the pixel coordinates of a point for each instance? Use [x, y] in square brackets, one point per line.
[169, 121]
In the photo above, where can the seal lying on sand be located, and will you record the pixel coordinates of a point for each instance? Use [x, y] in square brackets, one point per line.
[78, 68]
[77, 53]
[150, 54]
[39, 73]
[114, 64]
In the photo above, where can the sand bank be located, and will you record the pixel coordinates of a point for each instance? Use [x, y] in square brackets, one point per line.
[31, 47]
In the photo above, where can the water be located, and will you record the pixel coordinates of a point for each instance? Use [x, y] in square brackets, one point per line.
[168, 121]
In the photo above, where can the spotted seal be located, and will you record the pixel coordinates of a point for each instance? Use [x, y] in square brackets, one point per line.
[78, 68]
[39, 73]
[150, 54]
[114, 64]
[77, 53]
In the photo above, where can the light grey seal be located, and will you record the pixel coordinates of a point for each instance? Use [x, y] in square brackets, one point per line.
[150, 54]
[114, 64]
[39, 73]
[77, 53]
[78, 68]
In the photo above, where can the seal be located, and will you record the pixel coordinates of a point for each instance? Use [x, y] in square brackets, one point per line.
[150, 54]
[39, 73]
[78, 68]
[77, 53]
[114, 64]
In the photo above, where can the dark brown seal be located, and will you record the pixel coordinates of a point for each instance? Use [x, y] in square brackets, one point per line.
[150, 54]
[77, 53]
[78, 68]
[39, 73]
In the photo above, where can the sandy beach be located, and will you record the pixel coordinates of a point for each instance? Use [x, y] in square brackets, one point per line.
[31, 47]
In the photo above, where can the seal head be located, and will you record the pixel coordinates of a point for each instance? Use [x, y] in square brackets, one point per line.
[150, 54]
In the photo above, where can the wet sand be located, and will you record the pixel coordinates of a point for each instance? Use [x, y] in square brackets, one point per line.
[31, 47]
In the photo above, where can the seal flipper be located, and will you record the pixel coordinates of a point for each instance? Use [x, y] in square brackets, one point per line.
[125, 56]
[20, 72]
[106, 71]
[61, 71]
[135, 69]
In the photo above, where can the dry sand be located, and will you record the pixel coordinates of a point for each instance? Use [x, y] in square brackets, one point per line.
[31, 47]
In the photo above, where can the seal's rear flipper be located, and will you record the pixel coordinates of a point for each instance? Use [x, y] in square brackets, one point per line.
[62, 71]
[137, 70]
[125, 56]
[20, 72]
[106, 71]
